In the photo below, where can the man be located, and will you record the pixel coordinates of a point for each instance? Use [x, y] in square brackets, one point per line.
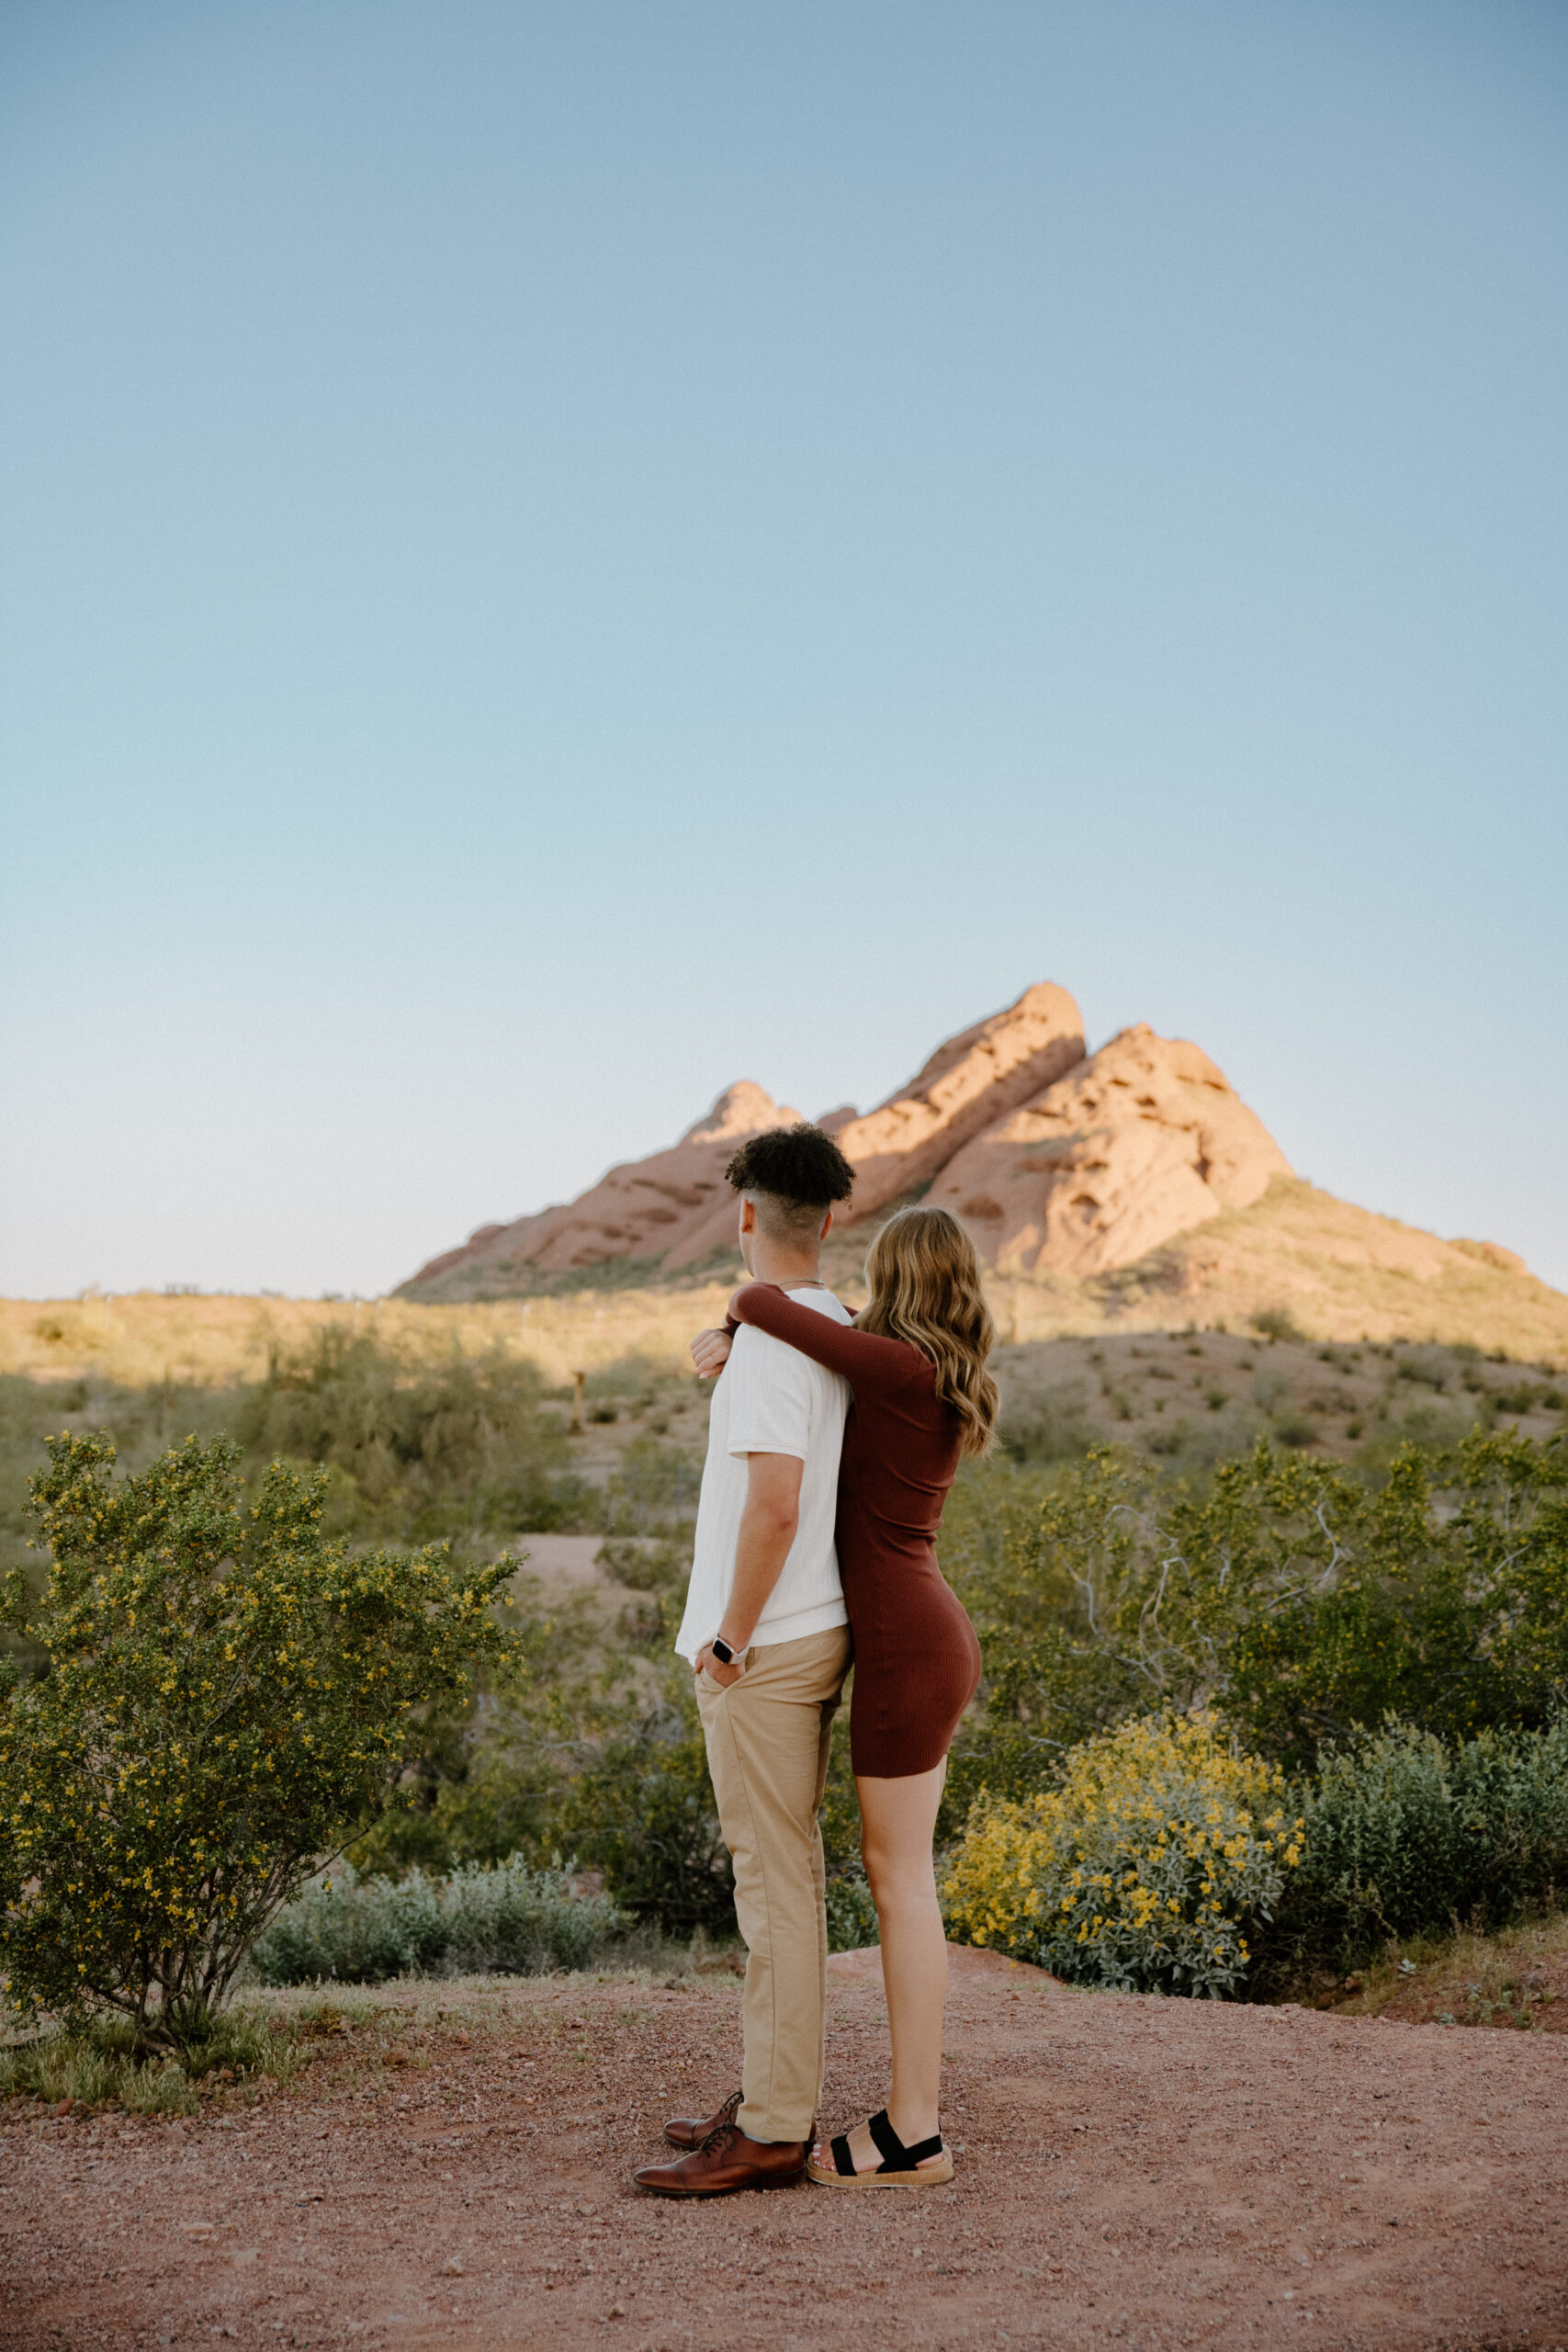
[766, 1632]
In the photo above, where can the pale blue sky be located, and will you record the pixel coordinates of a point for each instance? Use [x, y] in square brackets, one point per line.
[557, 556]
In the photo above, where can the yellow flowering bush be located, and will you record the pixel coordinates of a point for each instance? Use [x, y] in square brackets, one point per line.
[224, 1704]
[1140, 1871]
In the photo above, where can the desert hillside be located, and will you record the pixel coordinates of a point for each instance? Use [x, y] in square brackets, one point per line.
[1129, 1188]
[1336, 1273]
[1058, 1160]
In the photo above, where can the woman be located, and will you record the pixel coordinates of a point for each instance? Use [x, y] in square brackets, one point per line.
[916, 1359]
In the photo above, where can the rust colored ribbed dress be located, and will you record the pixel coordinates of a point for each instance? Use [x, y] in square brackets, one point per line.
[917, 1659]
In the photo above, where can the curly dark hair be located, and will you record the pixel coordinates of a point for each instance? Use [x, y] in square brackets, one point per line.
[800, 1164]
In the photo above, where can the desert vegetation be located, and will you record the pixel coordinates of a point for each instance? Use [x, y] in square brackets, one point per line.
[219, 1697]
[1141, 1866]
[1319, 1587]
[478, 1921]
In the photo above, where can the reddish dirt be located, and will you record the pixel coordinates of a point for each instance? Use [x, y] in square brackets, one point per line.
[1132, 2172]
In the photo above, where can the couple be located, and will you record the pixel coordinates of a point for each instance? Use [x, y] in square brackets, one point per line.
[821, 1421]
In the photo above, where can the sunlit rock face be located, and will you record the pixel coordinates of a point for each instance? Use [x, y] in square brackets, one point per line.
[1054, 1158]
[1134, 1144]
[968, 1083]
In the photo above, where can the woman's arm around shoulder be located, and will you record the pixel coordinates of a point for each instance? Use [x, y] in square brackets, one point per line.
[869, 1363]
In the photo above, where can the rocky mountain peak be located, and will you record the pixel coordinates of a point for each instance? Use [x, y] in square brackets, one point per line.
[742, 1109]
[1056, 1159]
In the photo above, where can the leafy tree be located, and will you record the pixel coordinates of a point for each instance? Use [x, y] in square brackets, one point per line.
[224, 1704]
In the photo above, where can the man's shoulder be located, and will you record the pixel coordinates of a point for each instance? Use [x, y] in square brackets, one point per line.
[759, 1353]
[763, 1358]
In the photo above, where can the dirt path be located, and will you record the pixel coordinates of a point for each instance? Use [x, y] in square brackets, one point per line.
[1134, 2173]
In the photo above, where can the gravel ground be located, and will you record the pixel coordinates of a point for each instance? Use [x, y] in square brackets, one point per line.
[1133, 2172]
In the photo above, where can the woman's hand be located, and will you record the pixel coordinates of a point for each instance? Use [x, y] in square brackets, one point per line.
[710, 1352]
[723, 1675]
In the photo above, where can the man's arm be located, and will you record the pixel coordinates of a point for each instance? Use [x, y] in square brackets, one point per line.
[767, 1530]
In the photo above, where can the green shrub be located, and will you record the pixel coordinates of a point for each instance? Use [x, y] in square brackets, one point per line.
[599, 1754]
[641, 1808]
[653, 1492]
[1526, 1398]
[1404, 1835]
[1143, 1869]
[1303, 1602]
[460, 1449]
[645, 1563]
[491, 1806]
[851, 1913]
[469, 1449]
[508, 1919]
[226, 1698]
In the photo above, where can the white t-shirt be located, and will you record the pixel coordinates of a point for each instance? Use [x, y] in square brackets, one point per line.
[772, 1400]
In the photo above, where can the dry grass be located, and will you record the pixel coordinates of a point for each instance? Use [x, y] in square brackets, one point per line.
[143, 1338]
[1191, 1397]
[1341, 1273]
[1517, 1978]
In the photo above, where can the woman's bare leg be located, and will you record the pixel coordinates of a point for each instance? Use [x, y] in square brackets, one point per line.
[898, 1825]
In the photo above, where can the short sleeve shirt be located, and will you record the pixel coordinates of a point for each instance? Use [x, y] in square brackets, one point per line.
[770, 1399]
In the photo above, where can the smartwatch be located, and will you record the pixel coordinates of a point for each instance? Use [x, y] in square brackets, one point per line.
[722, 1651]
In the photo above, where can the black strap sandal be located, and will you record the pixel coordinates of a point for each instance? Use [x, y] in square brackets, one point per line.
[901, 2167]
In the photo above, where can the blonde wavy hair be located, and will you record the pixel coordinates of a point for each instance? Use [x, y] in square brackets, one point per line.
[924, 1280]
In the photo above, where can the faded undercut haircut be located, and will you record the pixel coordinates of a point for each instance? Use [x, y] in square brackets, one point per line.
[792, 1176]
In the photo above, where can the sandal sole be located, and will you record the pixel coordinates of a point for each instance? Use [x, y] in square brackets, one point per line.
[935, 2176]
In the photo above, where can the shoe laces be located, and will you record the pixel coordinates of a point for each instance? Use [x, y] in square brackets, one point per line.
[723, 2130]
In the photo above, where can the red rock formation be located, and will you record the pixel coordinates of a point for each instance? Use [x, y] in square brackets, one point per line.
[1492, 1254]
[968, 1082]
[1052, 1159]
[1140, 1141]
[675, 1207]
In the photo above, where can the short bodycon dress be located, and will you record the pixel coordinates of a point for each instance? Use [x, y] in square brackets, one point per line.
[917, 1659]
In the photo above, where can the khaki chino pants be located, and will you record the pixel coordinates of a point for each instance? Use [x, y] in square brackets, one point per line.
[767, 1741]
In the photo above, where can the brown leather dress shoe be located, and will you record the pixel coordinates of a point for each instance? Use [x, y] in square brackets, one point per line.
[691, 2130]
[727, 2160]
